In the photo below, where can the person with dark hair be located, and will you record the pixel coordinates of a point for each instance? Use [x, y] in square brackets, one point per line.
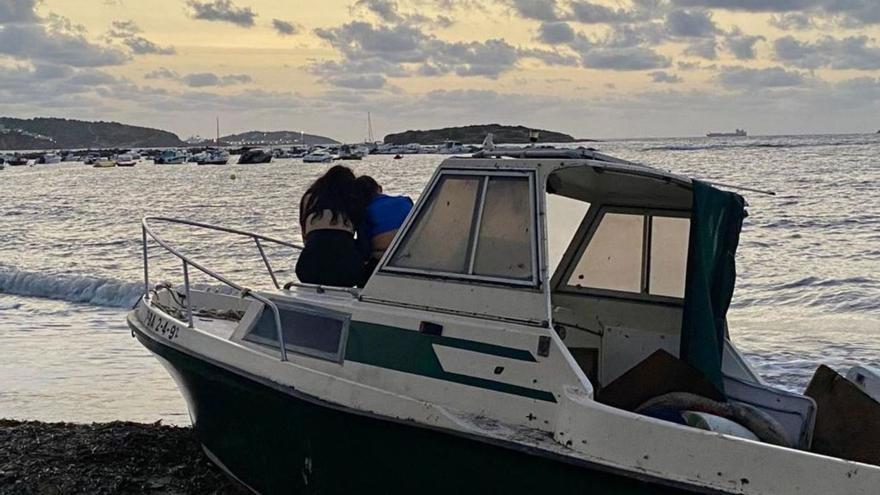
[378, 216]
[326, 212]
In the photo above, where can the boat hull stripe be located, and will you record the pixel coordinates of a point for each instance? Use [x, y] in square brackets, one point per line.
[412, 352]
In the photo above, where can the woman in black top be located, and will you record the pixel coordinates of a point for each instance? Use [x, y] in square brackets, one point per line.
[330, 256]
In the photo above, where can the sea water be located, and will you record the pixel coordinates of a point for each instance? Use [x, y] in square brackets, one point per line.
[808, 288]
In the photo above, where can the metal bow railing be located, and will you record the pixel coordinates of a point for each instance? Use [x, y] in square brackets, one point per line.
[148, 233]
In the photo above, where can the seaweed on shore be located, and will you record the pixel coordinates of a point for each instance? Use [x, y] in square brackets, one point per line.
[105, 458]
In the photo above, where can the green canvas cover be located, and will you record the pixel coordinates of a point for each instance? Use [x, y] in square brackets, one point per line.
[716, 220]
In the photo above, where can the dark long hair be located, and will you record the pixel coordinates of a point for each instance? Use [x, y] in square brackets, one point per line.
[332, 191]
[365, 189]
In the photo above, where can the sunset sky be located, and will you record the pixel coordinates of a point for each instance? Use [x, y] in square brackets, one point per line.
[600, 68]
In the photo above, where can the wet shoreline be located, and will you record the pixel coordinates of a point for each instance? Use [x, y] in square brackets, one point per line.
[106, 458]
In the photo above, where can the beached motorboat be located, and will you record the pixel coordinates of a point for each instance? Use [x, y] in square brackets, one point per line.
[126, 160]
[170, 157]
[213, 157]
[550, 323]
[318, 156]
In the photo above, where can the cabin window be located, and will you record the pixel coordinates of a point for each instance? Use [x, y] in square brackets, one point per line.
[613, 258]
[637, 253]
[479, 226]
[307, 330]
[439, 240]
[669, 248]
[564, 216]
[504, 244]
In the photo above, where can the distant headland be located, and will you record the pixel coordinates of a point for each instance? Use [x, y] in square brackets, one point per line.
[270, 138]
[474, 134]
[53, 133]
[44, 133]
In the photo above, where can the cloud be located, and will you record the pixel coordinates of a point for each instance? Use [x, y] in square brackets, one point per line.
[687, 24]
[852, 52]
[855, 13]
[751, 5]
[221, 11]
[199, 79]
[162, 73]
[792, 21]
[746, 78]
[549, 57]
[849, 13]
[540, 10]
[284, 28]
[593, 13]
[660, 76]
[554, 33]
[127, 32]
[202, 79]
[388, 11]
[408, 50]
[625, 59]
[17, 11]
[742, 45]
[36, 42]
[358, 81]
[704, 48]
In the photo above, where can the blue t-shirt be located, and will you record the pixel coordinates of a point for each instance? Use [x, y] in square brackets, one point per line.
[386, 213]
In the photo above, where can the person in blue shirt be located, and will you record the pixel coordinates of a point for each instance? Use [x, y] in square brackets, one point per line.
[381, 216]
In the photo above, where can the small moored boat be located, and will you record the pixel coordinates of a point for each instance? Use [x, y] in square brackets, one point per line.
[545, 321]
[49, 159]
[104, 162]
[318, 156]
[213, 157]
[126, 160]
[254, 156]
[16, 160]
[170, 157]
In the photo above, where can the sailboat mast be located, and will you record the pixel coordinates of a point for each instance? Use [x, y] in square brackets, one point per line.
[217, 139]
[369, 128]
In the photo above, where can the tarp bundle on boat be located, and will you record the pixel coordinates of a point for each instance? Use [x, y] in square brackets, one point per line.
[716, 221]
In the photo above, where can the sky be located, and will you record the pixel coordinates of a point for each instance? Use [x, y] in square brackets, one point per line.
[593, 69]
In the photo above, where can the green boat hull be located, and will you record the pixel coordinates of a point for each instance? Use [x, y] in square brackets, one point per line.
[275, 440]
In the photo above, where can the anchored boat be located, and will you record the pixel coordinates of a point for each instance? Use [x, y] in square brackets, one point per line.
[214, 157]
[545, 321]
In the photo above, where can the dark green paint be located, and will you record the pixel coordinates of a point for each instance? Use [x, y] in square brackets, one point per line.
[279, 443]
[412, 352]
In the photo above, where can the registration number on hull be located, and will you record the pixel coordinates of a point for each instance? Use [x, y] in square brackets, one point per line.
[159, 325]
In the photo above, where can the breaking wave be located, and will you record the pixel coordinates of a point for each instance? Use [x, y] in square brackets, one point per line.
[72, 288]
[80, 289]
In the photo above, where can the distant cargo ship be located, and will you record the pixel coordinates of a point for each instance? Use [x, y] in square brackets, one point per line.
[737, 133]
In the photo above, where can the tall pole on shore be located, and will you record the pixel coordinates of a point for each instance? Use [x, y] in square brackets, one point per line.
[369, 128]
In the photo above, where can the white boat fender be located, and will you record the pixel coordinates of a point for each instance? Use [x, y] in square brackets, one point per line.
[758, 422]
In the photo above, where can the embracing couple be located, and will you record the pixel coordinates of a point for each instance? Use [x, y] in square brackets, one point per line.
[347, 223]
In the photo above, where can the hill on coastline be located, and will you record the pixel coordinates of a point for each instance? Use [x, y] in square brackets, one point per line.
[474, 134]
[268, 138]
[52, 133]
